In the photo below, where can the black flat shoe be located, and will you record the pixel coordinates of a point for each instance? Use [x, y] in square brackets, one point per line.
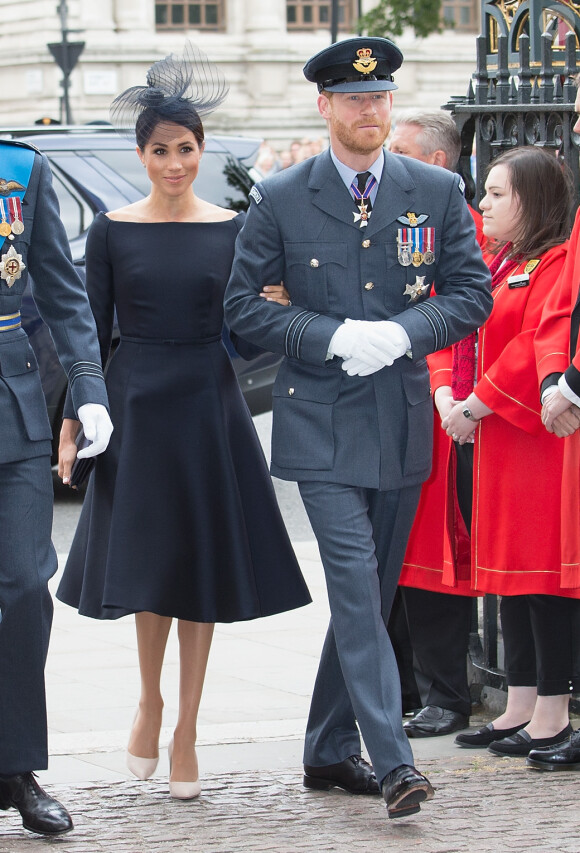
[354, 775]
[521, 743]
[563, 757]
[404, 789]
[483, 737]
[40, 813]
[433, 721]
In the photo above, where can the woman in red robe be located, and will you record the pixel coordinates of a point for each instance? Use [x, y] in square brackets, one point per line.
[515, 529]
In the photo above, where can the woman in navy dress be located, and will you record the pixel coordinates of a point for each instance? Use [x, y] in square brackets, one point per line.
[180, 519]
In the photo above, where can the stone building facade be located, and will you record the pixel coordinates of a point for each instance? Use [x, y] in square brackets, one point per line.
[260, 44]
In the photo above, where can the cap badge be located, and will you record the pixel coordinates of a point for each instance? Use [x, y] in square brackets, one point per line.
[366, 63]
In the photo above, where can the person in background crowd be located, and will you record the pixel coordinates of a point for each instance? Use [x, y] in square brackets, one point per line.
[180, 520]
[438, 610]
[352, 414]
[33, 240]
[517, 464]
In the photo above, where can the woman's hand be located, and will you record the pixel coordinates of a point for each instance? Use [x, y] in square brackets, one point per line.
[67, 449]
[276, 293]
[459, 427]
[554, 406]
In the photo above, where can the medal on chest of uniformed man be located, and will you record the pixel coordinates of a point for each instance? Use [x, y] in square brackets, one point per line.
[414, 291]
[363, 215]
[5, 228]
[11, 266]
[15, 206]
[404, 247]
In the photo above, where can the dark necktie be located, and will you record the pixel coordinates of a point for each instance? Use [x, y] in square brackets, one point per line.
[362, 180]
[361, 191]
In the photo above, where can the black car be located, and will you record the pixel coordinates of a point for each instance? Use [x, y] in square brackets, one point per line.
[96, 169]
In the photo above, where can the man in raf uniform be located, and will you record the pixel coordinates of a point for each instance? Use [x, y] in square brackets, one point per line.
[33, 239]
[358, 235]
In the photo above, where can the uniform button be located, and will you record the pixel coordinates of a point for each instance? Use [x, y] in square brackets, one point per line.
[366, 244]
[369, 285]
[28, 364]
[290, 391]
[314, 263]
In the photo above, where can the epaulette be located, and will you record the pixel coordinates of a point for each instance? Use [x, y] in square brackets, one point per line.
[20, 143]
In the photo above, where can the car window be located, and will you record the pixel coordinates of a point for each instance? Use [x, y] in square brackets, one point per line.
[75, 214]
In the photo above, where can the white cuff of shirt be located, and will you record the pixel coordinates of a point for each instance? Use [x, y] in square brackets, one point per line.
[567, 391]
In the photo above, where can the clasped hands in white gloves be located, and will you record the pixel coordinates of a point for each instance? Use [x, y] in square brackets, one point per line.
[368, 345]
[97, 427]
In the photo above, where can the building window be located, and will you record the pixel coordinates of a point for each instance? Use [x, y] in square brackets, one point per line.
[461, 15]
[189, 14]
[316, 14]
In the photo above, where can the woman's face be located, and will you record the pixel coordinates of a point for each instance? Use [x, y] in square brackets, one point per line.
[171, 157]
[500, 206]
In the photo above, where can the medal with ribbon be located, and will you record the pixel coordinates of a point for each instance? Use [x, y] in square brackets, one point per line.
[5, 227]
[15, 206]
[361, 194]
[429, 253]
[404, 247]
[417, 255]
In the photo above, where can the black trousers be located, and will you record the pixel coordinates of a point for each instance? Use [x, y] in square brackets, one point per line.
[437, 626]
[541, 635]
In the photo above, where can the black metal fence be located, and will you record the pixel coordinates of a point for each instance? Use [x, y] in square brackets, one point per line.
[507, 107]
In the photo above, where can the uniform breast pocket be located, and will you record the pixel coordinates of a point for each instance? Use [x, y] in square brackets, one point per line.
[406, 284]
[19, 371]
[311, 269]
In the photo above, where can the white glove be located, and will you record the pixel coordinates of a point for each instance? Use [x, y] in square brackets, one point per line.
[358, 339]
[356, 367]
[97, 427]
[375, 342]
[393, 341]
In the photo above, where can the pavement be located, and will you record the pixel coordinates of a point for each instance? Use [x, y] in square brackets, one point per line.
[251, 725]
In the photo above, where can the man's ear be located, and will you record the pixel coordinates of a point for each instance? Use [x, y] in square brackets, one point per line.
[439, 158]
[324, 107]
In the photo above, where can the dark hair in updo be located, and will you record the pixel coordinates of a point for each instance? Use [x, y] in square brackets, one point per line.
[180, 112]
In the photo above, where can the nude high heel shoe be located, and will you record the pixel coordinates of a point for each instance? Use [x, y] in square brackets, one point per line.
[142, 768]
[182, 790]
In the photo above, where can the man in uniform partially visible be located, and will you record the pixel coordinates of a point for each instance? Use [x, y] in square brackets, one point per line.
[33, 239]
[358, 235]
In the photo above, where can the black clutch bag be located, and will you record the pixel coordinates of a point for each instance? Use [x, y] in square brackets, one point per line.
[81, 467]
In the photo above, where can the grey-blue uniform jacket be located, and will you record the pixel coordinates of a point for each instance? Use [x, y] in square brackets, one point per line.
[62, 302]
[373, 431]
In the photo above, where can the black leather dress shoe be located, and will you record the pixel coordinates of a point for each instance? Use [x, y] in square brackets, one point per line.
[482, 738]
[564, 757]
[40, 813]
[521, 743]
[404, 789]
[433, 721]
[354, 775]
